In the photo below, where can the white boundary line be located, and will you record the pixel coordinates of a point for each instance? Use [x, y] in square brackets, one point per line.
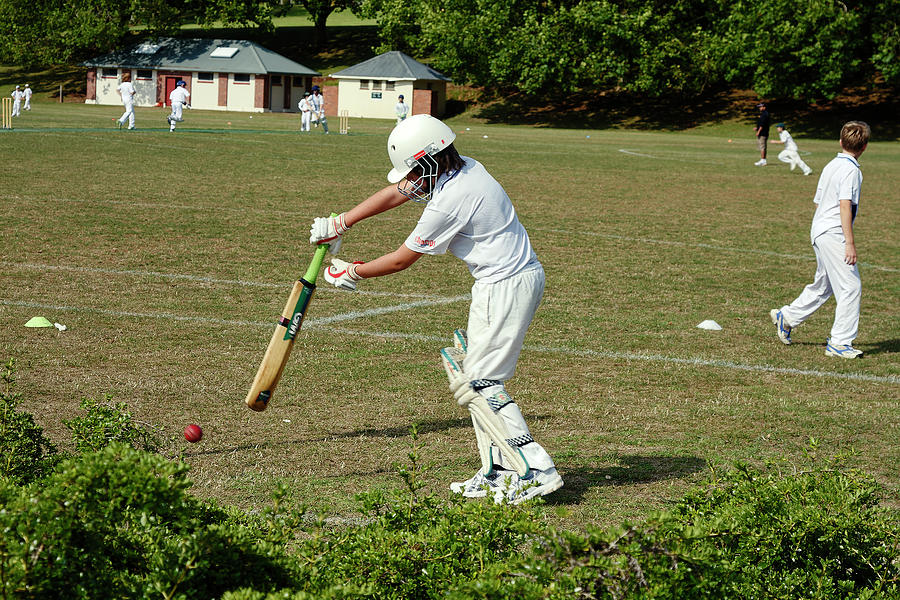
[623, 238]
[201, 279]
[314, 323]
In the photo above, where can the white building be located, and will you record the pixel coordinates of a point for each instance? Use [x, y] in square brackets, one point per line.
[370, 89]
[220, 75]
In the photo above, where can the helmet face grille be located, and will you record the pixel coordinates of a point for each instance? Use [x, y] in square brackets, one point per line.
[420, 188]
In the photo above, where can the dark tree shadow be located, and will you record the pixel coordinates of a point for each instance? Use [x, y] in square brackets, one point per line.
[604, 110]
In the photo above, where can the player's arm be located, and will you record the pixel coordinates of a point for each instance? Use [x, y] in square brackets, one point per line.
[345, 275]
[329, 229]
[847, 228]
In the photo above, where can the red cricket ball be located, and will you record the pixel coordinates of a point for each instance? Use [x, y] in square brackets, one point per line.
[193, 433]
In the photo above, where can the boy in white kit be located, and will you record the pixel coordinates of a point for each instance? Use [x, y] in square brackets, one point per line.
[837, 200]
[468, 214]
[17, 96]
[126, 90]
[790, 154]
[179, 98]
[28, 93]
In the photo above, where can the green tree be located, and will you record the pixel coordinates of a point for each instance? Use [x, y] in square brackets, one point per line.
[320, 10]
[48, 32]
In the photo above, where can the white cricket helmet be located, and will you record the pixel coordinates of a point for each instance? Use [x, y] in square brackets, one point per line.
[412, 140]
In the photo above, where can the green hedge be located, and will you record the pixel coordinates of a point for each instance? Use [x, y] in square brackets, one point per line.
[117, 521]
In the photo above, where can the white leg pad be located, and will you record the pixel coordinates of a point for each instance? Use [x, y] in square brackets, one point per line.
[491, 426]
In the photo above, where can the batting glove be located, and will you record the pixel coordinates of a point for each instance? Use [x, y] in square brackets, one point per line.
[328, 230]
[343, 274]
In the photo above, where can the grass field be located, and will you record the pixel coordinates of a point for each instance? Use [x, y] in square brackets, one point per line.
[168, 256]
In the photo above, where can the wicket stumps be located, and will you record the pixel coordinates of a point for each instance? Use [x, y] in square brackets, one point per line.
[345, 118]
[6, 114]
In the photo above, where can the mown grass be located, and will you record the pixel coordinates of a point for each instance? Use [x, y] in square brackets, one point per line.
[167, 256]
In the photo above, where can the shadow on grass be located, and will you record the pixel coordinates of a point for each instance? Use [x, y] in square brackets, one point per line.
[631, 469]
[604, 110]
[882, 347]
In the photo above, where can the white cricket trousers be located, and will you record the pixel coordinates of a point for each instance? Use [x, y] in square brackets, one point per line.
[305, 118]
[499, 317]
[17, 108]
[833, 276]
[128, 114]
[792, 157]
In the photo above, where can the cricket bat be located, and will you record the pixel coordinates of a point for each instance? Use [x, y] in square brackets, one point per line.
[286, 329]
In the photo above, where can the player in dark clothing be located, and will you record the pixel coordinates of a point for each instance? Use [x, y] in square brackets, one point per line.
[762, 133]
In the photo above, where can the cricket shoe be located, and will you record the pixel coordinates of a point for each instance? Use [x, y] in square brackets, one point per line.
[783, 329]
[760, 163]
[807, 172]
[480, 485]
[538, 483]
[841, 350]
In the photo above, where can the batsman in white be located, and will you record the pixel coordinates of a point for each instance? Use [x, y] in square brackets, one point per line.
[468, 214]
[179, 98]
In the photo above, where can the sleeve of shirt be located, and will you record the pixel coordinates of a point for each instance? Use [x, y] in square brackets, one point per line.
[433, 233]
[849, 187]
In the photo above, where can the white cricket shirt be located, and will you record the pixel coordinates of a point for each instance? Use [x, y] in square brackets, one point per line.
[789, 143]
[127, 91]
[179, 94]
[841, 179]
[470, 216]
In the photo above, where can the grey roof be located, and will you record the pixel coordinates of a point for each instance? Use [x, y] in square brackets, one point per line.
[194, 55]
[391, 65]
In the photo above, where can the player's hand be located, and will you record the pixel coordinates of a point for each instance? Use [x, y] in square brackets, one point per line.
[850, 254]
[325, 230]
[342, 274]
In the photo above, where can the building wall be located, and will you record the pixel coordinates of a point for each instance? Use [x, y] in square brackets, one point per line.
[205, 94]
[222, 93]
[373, 101]
[240, 94]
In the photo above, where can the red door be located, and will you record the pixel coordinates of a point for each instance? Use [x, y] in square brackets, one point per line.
[171, 83]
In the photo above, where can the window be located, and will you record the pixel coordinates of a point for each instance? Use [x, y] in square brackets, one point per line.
[298, 82]
[205, 77]
[241, 78]
[389, 86]
[109, 73]
[376, 85]
[276, 80]
[147, 48]
[145, 74]
[363, 84]
[223, 52]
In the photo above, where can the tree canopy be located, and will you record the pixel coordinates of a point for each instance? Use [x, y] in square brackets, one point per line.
[779, 48]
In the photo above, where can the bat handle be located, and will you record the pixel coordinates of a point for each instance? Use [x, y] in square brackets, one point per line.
[312, 273]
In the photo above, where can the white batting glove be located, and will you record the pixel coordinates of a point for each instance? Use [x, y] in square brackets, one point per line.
[342, 274]
[328, 230]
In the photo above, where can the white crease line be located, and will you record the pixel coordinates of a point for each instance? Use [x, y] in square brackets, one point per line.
[372, 312]
[701, 362]
[200, 279]
[624, 238]
[308, 323]
[643, 357]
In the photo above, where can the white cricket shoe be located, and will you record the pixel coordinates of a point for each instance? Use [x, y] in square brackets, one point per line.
[760, 163]
[782, 328]
[480, 484]
[538, 483]
[841, 350]
[807, 172]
